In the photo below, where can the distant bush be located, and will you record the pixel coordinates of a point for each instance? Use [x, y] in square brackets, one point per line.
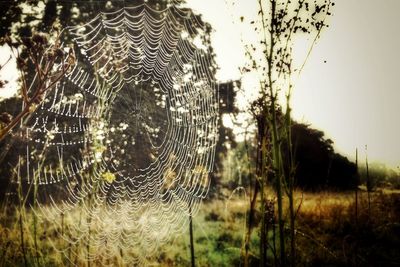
[394, 182]
[318, 166]
[212, 216]
[380, 176]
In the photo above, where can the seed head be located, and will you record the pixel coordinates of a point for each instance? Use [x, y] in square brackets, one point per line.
[3, 83]
[21, 63]
[58, 52]
[39, 39]
[5, 118]
[27, 42]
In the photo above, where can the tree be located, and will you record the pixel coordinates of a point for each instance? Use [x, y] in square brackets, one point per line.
[138, 104]
[317, 164]
[66, 13]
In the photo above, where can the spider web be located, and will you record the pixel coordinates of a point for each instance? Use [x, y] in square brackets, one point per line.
[124, 143]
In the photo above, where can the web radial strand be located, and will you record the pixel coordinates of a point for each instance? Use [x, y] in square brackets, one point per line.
[127, 138]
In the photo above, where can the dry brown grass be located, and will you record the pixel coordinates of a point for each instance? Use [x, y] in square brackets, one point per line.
[327, 234]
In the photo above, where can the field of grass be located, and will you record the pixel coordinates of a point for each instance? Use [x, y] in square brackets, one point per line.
[329, 233]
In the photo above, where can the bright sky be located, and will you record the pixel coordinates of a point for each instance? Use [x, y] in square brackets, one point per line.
[8, 72]
[353, 97]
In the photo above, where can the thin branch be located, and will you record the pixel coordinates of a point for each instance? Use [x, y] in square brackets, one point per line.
[315, 38]
[8, 60]
[30, 103]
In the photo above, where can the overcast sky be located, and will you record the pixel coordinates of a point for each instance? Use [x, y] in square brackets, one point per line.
[354, 97]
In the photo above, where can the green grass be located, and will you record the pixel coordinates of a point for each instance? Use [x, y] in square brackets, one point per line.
[327, 235]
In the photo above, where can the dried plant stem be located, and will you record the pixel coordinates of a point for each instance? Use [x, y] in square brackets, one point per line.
[369, 187]
[192, 256]
[35, 230]
[356, 211]
[20, 219]
[263, 178]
